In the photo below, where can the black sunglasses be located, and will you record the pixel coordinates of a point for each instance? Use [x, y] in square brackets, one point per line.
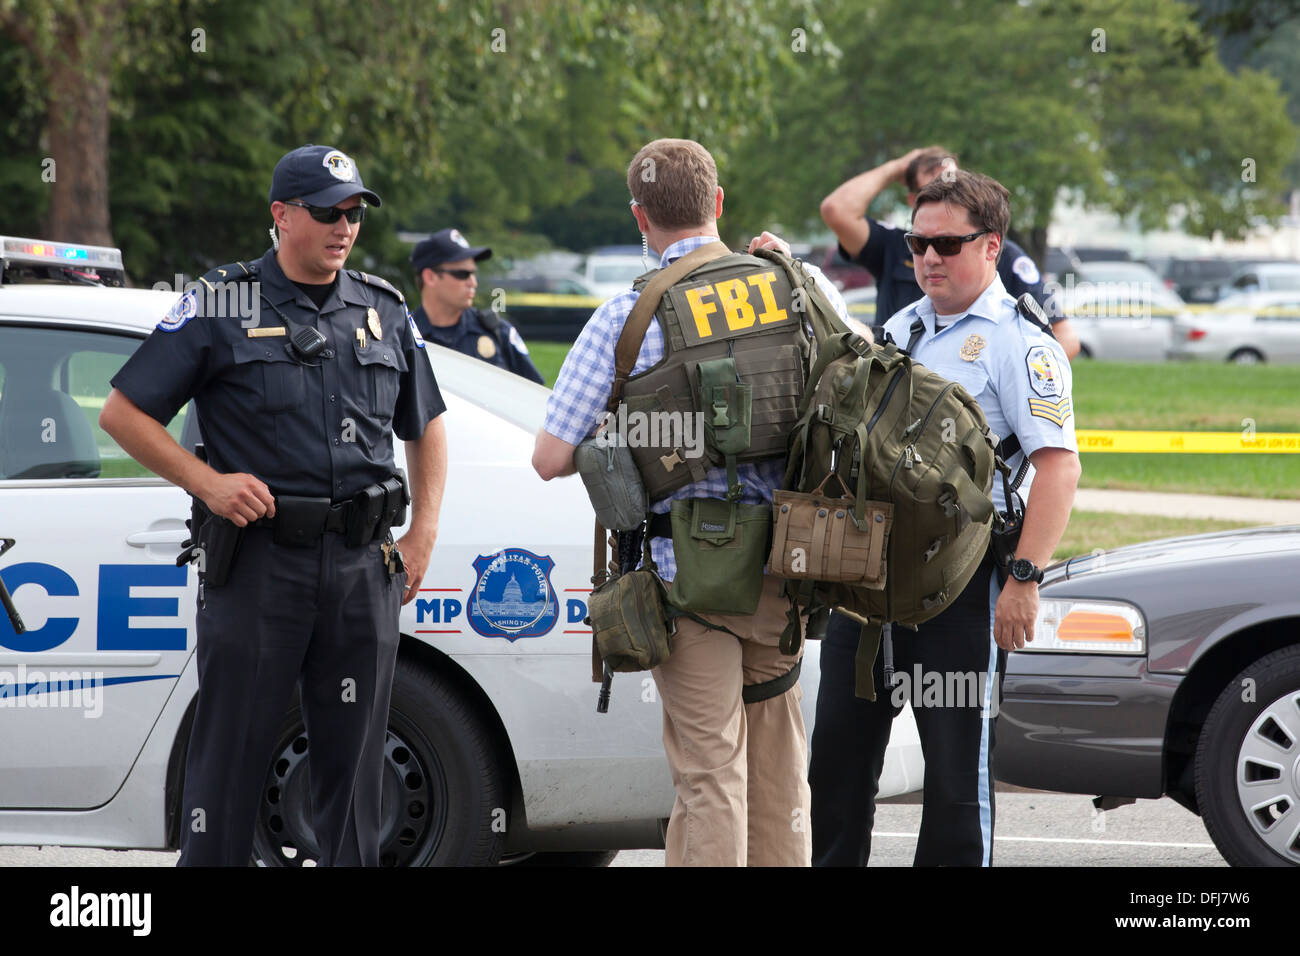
[944, 245]
[329, 214]
[461, 274]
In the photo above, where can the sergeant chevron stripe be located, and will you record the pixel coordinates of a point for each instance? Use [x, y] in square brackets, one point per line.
[1056, 412]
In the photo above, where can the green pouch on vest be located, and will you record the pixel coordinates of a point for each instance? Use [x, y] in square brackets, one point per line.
[720, 549]
[728, 405]
[630, 622]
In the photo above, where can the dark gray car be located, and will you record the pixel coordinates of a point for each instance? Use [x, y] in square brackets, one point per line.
[1170, 668]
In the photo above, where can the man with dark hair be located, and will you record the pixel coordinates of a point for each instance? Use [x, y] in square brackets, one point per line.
[881, 250]
[446, 268]
[298, 404]
[967, 328]
[738, 760]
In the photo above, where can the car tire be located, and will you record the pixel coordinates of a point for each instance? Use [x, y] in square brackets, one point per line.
[443, 787]
[1246, 357]
[1248, 764]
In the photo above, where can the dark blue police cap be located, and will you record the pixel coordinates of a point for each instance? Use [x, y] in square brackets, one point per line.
[446, 245]
[318, 175]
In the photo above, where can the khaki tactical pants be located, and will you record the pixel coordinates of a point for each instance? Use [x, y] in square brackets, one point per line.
[739, 769]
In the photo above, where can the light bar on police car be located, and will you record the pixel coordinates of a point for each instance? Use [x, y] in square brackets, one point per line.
[1088, 627]
[14, 251]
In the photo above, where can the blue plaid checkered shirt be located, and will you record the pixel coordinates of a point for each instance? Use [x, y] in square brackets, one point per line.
[577, 403]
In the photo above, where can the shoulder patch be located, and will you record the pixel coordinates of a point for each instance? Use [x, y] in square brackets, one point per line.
[186, 308]
[1025, 270]
[415, 330]
[1044, 373]
[517, 341]
[378, 283]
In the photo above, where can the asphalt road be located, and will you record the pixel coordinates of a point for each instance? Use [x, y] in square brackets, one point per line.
[1033, 829]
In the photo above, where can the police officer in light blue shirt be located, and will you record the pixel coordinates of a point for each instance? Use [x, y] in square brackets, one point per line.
[967, 328]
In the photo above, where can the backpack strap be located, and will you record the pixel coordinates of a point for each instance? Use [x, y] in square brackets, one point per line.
[869, 639]
[753, 693]
[598, 576]
[634, 329]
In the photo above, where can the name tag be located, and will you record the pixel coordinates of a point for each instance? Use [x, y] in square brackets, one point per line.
[265, 331]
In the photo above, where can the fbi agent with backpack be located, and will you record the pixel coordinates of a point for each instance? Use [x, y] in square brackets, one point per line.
[446, 270]
[299, 582]
[969, 329]
[724, 349]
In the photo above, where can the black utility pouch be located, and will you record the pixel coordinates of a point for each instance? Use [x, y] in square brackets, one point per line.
[363, 519]
[299, 522]
[395, 499]
[218, 546]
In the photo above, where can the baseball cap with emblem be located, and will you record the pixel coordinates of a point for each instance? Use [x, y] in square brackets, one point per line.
[446, 245]
[319, 176]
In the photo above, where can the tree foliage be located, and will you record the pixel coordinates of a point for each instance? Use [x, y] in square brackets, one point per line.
[514, 119]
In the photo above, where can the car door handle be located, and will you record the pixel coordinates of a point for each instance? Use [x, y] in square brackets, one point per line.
[142, 539]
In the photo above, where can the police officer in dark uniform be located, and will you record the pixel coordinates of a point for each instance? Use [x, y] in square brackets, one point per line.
[882, 250]
[298, 398]
[448, 277]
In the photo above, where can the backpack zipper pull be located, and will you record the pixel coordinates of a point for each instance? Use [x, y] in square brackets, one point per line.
[909, 457]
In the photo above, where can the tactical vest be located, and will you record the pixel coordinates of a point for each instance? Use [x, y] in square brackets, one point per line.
[735, 358]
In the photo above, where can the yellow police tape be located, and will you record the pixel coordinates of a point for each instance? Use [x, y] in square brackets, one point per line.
[1189, 443]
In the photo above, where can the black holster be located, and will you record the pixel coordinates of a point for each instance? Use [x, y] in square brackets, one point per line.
[1005, 542]
[213, 544]
[376, 509]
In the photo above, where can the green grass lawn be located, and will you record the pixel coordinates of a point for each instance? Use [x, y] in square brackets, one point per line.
[1177, 396]
[1091, 530]
[1189, 397]
[548, 357]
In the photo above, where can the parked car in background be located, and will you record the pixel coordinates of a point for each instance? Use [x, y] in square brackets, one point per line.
[610, 270]
[845, 274]
[1199, 278]
[1245, 329]
[1263, 277]
[547, 283]
[545, 306]
[1170, 668]
[1119, 309]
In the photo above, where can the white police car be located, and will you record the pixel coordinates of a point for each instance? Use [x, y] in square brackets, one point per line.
[495, 747]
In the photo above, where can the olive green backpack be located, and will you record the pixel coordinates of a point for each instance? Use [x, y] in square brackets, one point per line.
[901, 445]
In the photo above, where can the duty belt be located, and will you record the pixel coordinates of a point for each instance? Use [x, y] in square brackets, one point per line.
[367, 516]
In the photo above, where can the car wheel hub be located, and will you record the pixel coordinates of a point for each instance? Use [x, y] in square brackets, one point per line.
[413, 810]
[1268, 776]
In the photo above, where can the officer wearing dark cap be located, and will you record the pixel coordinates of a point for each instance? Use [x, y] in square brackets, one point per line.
[297, 403]
[448, 278]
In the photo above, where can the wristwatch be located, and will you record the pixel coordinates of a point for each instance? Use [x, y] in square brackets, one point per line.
[1022, 569]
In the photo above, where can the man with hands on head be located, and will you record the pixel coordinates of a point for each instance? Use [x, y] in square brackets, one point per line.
[967, 328]
[882, 251]
[297, 406]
